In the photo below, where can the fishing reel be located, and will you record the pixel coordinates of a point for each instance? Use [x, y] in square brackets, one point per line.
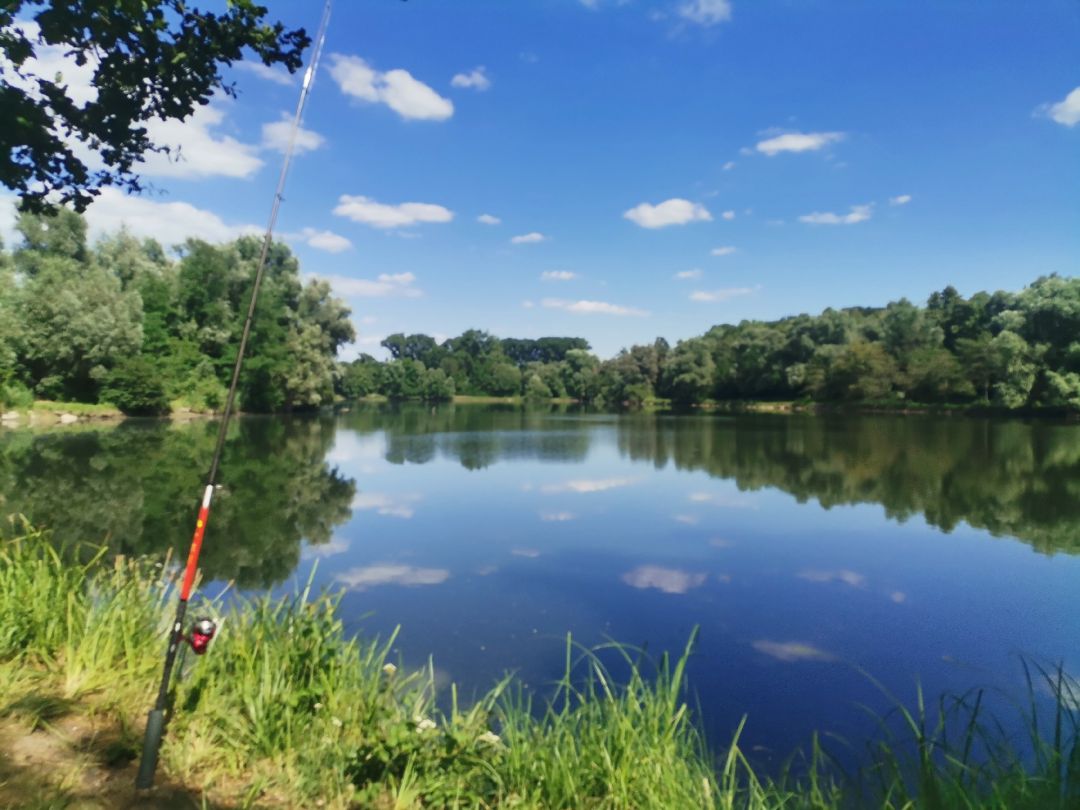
[202, 633]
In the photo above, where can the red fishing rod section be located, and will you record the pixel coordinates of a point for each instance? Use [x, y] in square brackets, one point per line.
[202, 631]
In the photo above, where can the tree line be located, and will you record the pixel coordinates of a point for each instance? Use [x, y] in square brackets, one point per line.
[124, 323]
[1008, 350]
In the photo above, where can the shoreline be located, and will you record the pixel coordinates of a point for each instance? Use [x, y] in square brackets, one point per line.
[50, 414]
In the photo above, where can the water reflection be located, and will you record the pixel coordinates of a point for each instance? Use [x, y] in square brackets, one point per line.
[668, 580]
[135, 486]
[1006, 476]
[369, 576]
[789, 651]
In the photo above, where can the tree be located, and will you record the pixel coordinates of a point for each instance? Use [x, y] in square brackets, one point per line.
[862, 371]
[76, 321]
[689, 373]
[145, 61]
[135, 387]
[1014, 367]
[935, 375]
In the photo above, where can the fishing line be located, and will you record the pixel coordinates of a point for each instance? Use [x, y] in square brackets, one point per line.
[204, 629]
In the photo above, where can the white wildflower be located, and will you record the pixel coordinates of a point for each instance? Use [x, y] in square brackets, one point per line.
[489, 737]
[425, 725]
[336, 722]
[317, 706]
[389, 669]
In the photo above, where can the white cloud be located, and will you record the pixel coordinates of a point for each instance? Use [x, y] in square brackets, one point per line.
[198, 150]
[276, 75]
[720, 295]
[858, 213]
[528, 553]
[397, 89]
[591, 307]
[369, 576]
[1067, 111]
[528, 238]
[398, 285]
[275, 135]
[689, 520]
[728, 215]
[670, 212]
[528, 304]
[557, 275]
[488, 219]
[589, 485]
[476, 79]
[798, 142]
[169, 222]
[902, 199]
[684, 275]
[325, 240]
[380, 215]
[790, 651]
[668, 580]
[706, 12]
[729, 166]
[726, 250]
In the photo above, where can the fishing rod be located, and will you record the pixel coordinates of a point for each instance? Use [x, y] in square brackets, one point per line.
[203, 629]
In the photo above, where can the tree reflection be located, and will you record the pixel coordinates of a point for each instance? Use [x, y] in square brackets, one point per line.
[476, 437]
[1008, 477]
[136, 487]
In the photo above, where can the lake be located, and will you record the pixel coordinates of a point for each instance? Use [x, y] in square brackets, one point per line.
[812, 551]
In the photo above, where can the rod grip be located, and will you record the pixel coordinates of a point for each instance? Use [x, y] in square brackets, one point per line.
[155, 727]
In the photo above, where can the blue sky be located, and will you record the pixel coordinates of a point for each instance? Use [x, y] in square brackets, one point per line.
[782, 157]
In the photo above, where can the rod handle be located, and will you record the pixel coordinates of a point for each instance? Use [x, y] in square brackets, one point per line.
[155, 727]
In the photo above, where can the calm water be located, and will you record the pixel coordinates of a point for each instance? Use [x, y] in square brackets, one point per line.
[806, 548]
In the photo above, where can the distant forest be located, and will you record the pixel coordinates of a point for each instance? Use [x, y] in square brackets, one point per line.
[122, 322]
[1008, 350]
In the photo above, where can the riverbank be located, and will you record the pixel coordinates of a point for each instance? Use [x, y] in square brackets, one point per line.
[286, 710]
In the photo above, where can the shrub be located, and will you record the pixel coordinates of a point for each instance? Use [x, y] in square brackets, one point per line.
[136, 388]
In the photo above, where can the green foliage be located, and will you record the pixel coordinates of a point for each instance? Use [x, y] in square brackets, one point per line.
[156, 59]
[76, 315]
[536, 389]
[15, 395]
[135, 387]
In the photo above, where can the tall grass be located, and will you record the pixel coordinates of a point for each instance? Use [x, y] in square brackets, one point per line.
[289, 710]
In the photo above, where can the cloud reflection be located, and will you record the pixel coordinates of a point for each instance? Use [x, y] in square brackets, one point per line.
[852, 578]
[720, 499]
[557, 517]
[531, 553]
[336, 545]
[589, 485]
[791, 651]
[668, 580]
[369, 576]
[385, 504]
[689, 520]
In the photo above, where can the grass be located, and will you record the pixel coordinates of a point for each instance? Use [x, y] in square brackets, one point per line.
[287, 710]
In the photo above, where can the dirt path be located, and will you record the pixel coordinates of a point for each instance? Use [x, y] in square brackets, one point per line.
[76, 763]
